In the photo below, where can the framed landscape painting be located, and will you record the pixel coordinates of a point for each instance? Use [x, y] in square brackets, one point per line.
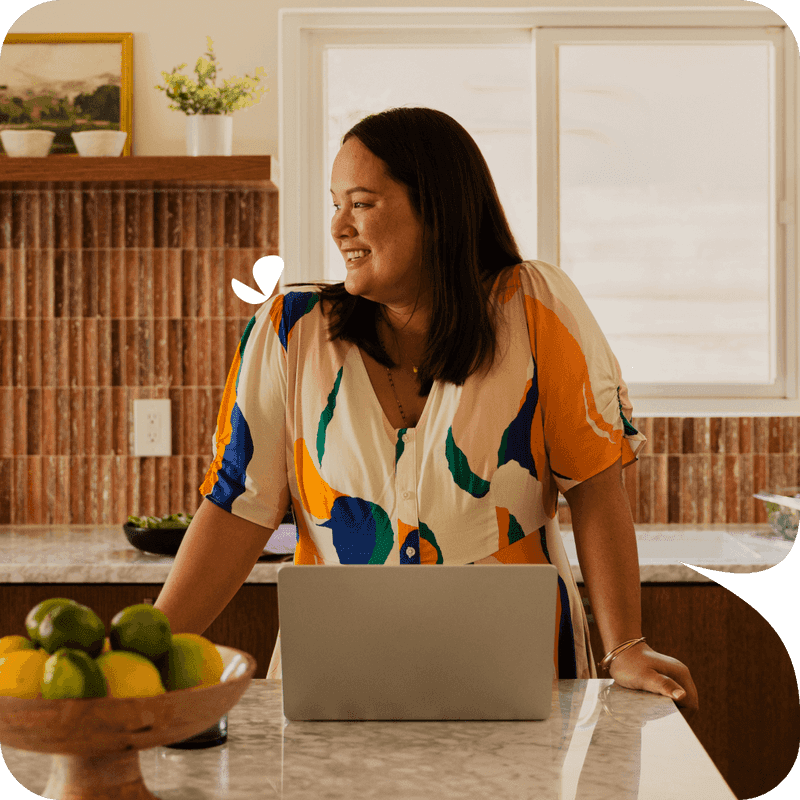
[66, 83]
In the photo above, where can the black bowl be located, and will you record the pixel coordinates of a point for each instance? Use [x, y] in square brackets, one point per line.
[165, 542]
[159, 542]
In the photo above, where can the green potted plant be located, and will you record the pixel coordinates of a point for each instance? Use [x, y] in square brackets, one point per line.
[208, 107]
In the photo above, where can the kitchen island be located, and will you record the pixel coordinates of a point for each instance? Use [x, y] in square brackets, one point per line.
[749, 718]
[600, 741]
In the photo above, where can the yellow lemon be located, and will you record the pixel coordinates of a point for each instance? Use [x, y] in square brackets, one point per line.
[10, 644]
[129, 675]
[21, 673]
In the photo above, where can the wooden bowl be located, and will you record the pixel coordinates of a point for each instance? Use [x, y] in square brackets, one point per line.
[95, 741]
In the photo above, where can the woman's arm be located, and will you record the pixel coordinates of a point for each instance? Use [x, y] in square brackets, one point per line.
[605, 541]
[214, 560]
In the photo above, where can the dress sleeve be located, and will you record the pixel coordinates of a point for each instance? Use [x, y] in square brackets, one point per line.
[248, 476]
[584, 401]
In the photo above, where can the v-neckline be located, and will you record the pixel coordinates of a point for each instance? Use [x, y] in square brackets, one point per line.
[376, 401]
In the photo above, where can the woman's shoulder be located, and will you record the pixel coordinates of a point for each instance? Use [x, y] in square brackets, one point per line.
[285, 311]
[530, 276]
[541, 279]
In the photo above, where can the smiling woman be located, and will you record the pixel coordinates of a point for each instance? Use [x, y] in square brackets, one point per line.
[430, 408]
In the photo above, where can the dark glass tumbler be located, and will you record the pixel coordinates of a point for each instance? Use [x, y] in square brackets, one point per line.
[211, 737]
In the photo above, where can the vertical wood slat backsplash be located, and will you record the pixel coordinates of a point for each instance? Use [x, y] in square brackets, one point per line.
[112, 292]
[116, 292]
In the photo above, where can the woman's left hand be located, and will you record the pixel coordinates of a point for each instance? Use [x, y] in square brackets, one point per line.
[641, 667]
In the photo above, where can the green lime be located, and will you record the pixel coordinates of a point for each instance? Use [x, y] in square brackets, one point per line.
[181, 667]
[73, 626]
[70, 673]
[37, 614]
[141, 629]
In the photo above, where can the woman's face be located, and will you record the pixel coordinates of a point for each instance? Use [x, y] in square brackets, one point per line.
[373, 212]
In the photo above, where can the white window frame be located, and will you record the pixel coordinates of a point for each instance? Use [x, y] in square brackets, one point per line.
[304, 33]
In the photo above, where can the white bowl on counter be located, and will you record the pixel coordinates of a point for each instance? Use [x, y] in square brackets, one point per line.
[99, 143]
[27, 144]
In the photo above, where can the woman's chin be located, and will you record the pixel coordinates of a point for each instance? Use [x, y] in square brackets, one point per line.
[352, 285]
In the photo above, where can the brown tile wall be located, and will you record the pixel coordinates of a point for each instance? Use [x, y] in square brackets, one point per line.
[706, 469]
[114, 292]
[111, 293]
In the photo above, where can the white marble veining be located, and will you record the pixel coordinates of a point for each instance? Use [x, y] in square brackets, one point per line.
[102, 554]
[600, 741]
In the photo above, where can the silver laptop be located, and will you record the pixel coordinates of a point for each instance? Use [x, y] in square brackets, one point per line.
[417, 642]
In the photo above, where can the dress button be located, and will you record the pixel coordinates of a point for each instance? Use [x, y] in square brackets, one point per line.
[410, 551]
[406, 495]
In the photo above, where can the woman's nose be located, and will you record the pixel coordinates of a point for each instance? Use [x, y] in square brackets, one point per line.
[341, 225]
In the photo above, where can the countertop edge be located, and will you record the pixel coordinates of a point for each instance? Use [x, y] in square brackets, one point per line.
[121, 563]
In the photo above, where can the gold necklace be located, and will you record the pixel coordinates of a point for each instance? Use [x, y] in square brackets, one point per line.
[391, 381]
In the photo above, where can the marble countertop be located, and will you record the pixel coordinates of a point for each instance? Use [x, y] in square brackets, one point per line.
[600, 741]
[102, 554]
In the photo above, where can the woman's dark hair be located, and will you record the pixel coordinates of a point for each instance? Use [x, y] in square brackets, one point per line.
[466, 241]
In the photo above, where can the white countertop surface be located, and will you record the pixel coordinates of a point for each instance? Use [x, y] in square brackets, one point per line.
[601, 741]
[102, 554]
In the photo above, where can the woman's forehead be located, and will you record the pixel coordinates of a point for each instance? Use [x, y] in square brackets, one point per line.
[354, 162]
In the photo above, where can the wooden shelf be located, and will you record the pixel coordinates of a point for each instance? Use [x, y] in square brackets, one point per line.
[226, 169]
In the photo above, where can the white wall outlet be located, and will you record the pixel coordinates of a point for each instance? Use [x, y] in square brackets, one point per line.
[152, 428]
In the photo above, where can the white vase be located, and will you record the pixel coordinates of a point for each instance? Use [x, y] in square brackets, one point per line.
[209, 134]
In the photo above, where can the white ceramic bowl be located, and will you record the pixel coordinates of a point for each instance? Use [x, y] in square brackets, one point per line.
[99, 143]
[27, 144]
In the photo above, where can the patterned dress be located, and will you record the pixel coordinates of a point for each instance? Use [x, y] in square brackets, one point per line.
[476, 481]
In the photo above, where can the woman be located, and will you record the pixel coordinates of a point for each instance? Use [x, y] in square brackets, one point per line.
[429, 409]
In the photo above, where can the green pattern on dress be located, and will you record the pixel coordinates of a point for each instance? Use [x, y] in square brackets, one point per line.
[464, 477]
[384, 535]
[242, 345]
[515, 532]
[327, 416]
[399, 447]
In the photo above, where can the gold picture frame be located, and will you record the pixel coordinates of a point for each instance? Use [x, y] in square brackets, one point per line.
[62, 91]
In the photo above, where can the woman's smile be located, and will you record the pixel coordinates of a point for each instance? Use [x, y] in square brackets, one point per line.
[356, 257]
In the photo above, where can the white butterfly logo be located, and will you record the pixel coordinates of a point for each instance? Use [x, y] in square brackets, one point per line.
[266, 272]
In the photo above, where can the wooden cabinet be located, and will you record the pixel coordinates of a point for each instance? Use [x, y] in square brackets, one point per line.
[249, 622]
[749, 717]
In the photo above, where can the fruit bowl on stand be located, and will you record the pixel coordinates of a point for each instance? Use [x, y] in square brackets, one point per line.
[95, 741]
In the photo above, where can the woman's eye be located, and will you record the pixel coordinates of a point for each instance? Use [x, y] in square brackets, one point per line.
[336, 207]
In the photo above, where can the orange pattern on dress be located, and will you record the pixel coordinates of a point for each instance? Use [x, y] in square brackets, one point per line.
[317, 497]
[564, 356]
[306, 551]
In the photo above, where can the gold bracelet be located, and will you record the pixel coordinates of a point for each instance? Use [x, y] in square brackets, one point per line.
[605, 663]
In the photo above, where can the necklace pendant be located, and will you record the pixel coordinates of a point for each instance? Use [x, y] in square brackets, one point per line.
[415, 369]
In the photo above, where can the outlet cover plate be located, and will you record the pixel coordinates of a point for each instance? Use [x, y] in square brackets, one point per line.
[152, 428]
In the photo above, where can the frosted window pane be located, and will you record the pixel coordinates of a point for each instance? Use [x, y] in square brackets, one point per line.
[486, 89]
[664, 204]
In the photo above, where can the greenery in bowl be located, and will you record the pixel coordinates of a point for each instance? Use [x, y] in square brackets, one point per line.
[202, 97]
[170, 522]
[783, 521]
